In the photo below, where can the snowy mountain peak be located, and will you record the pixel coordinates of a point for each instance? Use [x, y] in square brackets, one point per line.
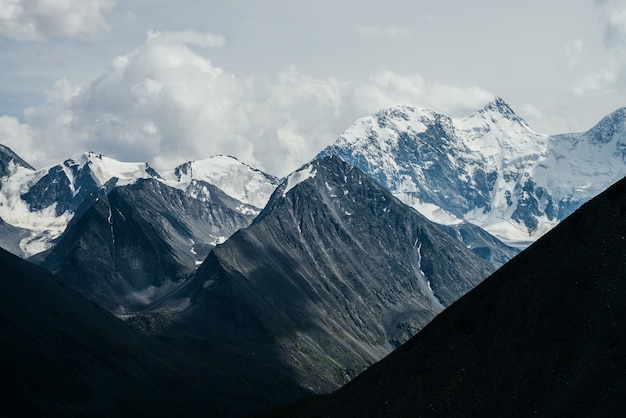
[498, 110]
[500, 106]
[238, 180]
[489, 168]
[298, 176]
[406, 113]
[102, 169]
[609, 127]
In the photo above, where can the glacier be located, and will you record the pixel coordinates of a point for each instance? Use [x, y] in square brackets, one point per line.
[490, 168]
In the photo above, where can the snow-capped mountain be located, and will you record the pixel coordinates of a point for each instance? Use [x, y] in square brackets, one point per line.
[330, 277]
[139, 242]
[43, 202]
[238, 180]
[490, 169]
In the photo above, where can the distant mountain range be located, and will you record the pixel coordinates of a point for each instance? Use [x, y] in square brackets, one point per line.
[490, 169]
[287, 287]
[332, 275]
[45, 201]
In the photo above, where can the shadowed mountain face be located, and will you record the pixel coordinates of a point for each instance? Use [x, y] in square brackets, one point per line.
[543, 336]
[482, 243]
[62, 355]
[138, 242]
[334, 274]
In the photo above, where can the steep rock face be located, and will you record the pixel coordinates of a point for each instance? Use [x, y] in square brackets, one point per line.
[334, 273]
[543, 336]
[138, 242]
[489, 169]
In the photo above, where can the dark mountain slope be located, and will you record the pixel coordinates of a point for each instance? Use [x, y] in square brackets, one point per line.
[482, 243]
[136, 243]
[10, 237]
[543, 336]
[334, 273]
[62, 355]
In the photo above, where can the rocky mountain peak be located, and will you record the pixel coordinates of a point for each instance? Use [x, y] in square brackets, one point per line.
[489, 168]
[6, 157]
[609, 127]
[498, 108]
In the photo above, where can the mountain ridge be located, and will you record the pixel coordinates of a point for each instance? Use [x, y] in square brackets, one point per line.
[45, 201]
[540, 337]
[490, 168]
[333, 274]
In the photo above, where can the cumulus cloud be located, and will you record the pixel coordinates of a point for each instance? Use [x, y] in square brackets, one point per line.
[388, 88]
[613, 15]
[610, 76]
[37, 20]
[166, 103]
[190, 37]
[389, 32]
[20, 137]
[574, 48]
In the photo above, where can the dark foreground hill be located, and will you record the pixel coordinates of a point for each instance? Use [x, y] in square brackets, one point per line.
[543, 336]
[62, 355]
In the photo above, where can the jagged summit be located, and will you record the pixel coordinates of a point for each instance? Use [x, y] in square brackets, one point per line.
[500, 106]
[44, 201]
[490, 168]
[497, 114]
[238, 180]
[609, 127]
[102, 169]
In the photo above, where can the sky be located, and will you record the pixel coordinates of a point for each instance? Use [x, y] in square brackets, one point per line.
[273, 82]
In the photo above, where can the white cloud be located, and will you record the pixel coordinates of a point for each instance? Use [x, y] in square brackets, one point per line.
[388, 88]
[613, 15]
[602, 82]
[389, 32]
[166, 103]
[574, 49]
[609, 77]
[208, 40]
[20, 138]
[37, 20]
